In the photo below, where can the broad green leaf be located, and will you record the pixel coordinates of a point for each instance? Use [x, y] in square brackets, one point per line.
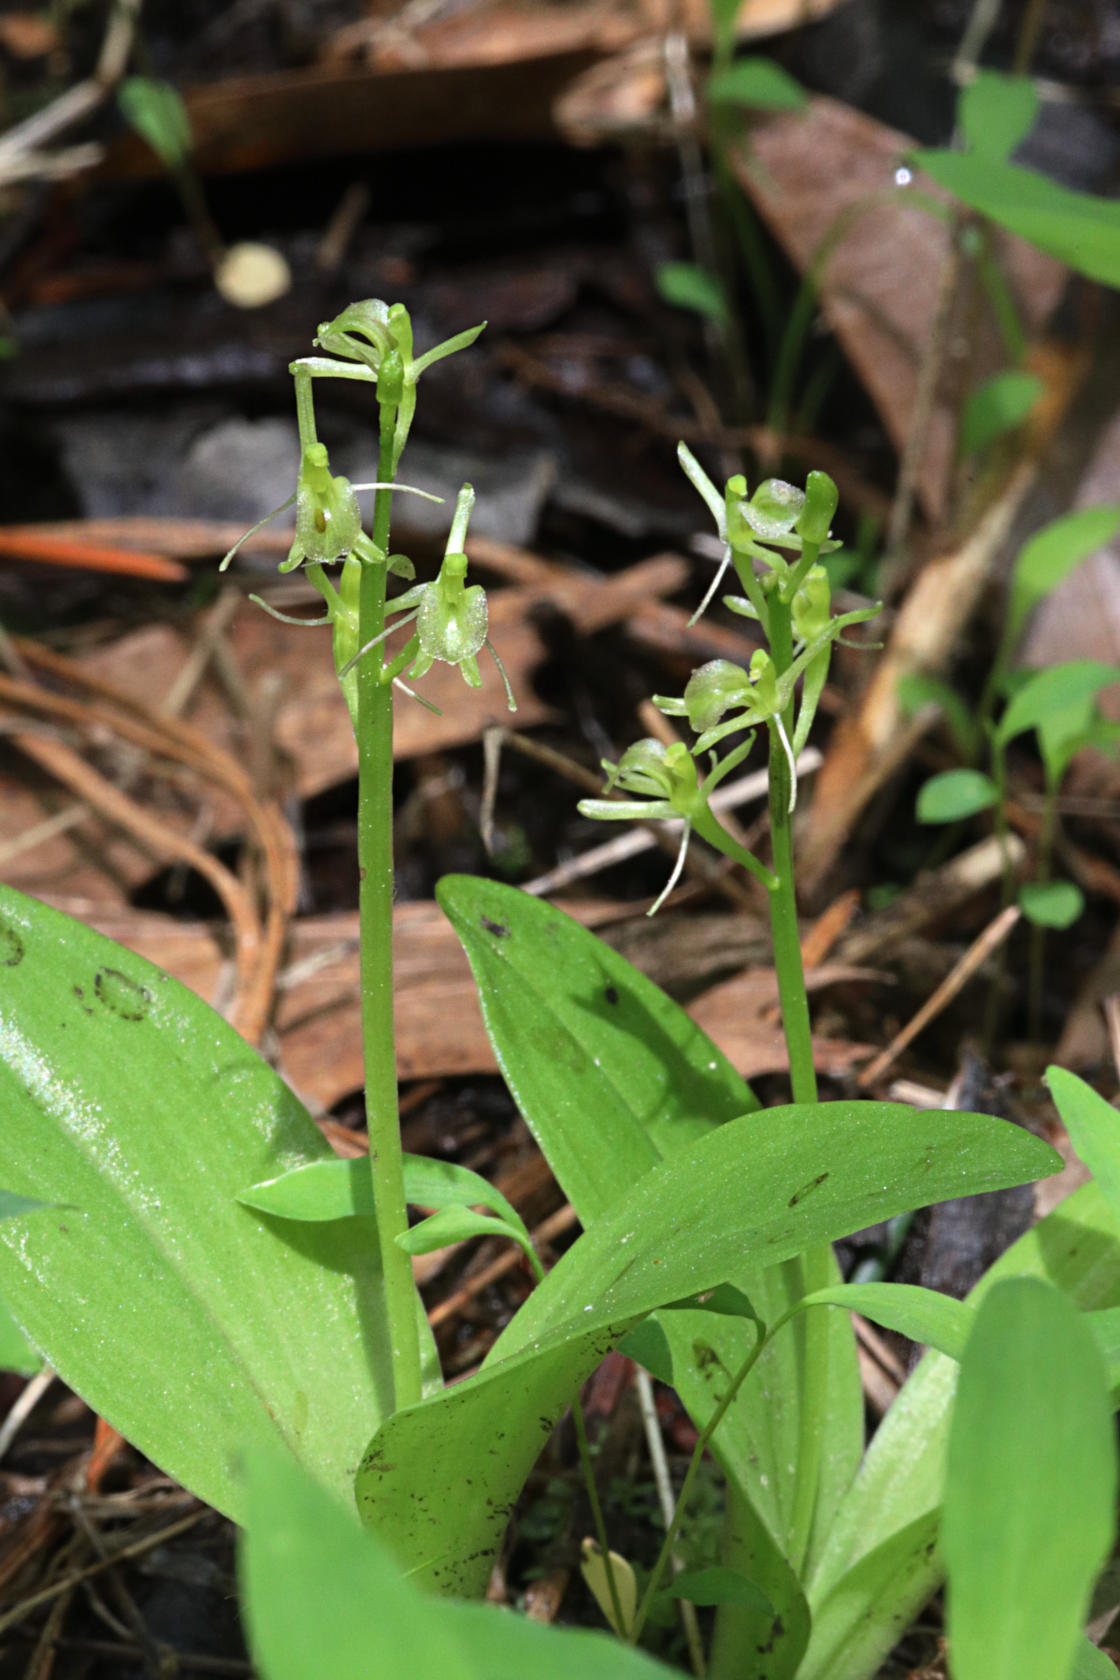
[342, 1190]
[955, 794]
[1030, 1486]
[1052, 904]
[890, 1514]
[1051, 554]
[323, 1597]
[1094, 1129]
[16, 1352]
[919, 688]
[1053, 689]
[753, 1188]
[996, 407]
[996, 112]
[456, 1224]
[717, 1586]
[157, 113]
[926, 1317]
[758, 83]
[775, 1625]
[1078, 229]
[191, 1323]
[611, 1075]
[608, 1071]
[686, 286]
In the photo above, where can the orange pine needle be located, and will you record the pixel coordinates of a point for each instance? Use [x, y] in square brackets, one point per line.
[31, 542]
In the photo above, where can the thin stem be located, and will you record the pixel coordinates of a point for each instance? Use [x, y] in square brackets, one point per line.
[1037, 948]
[1028, 36]
[597, 1514]
[375, 909]
[665, 1554]
[659, 1463]
[816, 1263]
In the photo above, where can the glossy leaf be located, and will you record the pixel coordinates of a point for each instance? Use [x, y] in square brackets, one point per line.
[759, 84]
[1051, 554]
[996, 112]
[439, 1477]
[1052, 904]
[611, 1075]
[686, 286]
[937, 1321]
[955, 794]
[1053, 689]
[322, 1597]
[191, 1323]
[1030, 1486]
[995, 408]
[879, 1564]
[1078, 229]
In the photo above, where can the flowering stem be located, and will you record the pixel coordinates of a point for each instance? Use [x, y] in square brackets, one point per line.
[816, 1263]
[375, 909]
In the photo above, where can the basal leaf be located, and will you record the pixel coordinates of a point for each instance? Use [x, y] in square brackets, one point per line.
[439, 1478]
[1030, 1486]
[193, 1324]
[322, 1597]
[891, 1510]
[611, 1075]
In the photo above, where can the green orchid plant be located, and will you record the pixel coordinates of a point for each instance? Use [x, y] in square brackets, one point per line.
[180, 1243]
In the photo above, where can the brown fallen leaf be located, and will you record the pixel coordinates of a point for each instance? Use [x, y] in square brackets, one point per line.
[808, 173]
[874, 739]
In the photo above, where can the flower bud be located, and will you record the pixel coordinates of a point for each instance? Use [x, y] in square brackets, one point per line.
[812, 605]
[712, 689]
[821, 498]
[774, 509]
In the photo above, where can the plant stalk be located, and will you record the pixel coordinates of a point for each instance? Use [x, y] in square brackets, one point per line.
[375, 912]
[815, 1263]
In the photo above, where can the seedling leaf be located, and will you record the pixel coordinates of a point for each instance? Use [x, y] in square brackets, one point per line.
[996, 407]
[1051, 554]
[759, 84]
[1051, 904]
[954, 795]
[688, 287]
[996, 112]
